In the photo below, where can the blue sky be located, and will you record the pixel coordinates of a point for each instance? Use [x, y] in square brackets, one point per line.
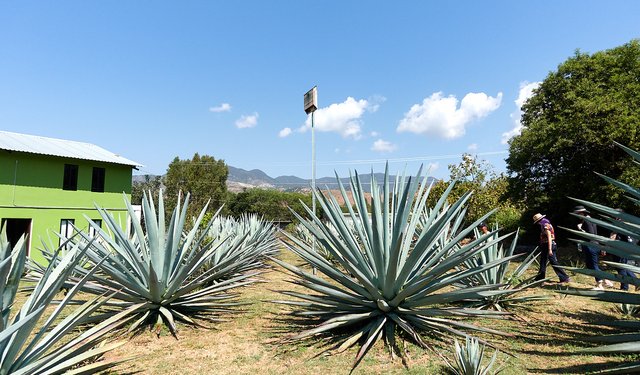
[410, 82]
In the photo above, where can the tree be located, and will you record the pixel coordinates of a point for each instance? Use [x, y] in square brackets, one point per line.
[569, 128]
[204, 177]
[273, 205]
[149, 184]
[489, 192]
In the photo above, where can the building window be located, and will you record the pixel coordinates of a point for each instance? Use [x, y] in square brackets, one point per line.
[97, 180]
[93, 231]
[66, 230]
[70, 181]
[16, 229]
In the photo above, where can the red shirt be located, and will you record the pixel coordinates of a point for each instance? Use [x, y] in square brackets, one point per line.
[545, 225]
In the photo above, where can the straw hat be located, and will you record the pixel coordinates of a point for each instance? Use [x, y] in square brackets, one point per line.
[538, 217]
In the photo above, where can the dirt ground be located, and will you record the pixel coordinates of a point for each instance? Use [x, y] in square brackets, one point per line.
[547, 339]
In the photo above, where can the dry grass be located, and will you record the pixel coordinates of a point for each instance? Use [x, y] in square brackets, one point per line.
[547, 343]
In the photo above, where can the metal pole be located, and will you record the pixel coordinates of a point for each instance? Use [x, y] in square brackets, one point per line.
[313, 179]
[313, 164]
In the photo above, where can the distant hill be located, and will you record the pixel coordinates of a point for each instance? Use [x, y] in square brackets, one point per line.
[290, 180]
[254, 177]
[240, 179]
[258, 178]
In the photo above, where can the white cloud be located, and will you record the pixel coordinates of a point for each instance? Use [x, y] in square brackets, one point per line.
[374, 134]
[440, 116]
[224, 107]
[375, 102]
[526, 91]
[247, 121]
[472, 147]
[506, 136]
[432, 167]
[284, 132]
[383, 146]
[343, 118]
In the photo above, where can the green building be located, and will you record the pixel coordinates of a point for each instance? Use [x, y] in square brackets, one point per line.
[49, 185]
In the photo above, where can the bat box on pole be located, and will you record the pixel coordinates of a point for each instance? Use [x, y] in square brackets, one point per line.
[311, 100]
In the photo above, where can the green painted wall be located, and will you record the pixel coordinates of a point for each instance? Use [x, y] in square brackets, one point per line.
[31, 188]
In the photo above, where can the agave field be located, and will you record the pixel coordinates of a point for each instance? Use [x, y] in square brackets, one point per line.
[386, 284]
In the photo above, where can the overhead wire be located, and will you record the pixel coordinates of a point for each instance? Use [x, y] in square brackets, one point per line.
[377, 161]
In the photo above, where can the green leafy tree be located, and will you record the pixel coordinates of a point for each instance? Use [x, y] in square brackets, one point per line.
[272, 205]
[569, 126]
[489, 190]
[204, 177]
[148, 184]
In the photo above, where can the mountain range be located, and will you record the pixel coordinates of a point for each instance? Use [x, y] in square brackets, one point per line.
[240, 179]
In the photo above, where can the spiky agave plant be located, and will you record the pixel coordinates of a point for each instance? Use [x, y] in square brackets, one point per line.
[468, 359]
[156, 275]
[305, 235]
[248, 239]
[388, 283]
[625, 224]
[452, 228]
[261, 238]
[36, 340]
[511, 281]
[628, 310]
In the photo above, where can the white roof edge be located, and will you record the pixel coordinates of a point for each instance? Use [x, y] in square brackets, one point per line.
[35, 144]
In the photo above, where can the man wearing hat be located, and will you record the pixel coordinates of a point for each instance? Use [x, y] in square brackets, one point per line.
[591, 253]
[548, 249]
[483, 228]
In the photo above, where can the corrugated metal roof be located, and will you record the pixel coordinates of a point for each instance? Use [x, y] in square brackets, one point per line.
[59, 147]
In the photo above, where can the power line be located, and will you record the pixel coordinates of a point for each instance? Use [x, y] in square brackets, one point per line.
[376, 161]
[409, 159]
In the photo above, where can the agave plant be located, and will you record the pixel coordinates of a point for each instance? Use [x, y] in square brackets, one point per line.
[512, 282]
[250, 237]
[629, 225]
[305, 235]
[392, 279]
[35, 340]
[469, 358]
[156, 275]
[628, 310]
[453, 227]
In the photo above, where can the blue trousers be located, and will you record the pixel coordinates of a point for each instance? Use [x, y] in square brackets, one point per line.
[591, 259]
[544, 258]
[622, 272]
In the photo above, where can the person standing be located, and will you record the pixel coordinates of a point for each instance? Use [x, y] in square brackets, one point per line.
[590, 252]
[548, 249]
[483, 228]
[623, 271]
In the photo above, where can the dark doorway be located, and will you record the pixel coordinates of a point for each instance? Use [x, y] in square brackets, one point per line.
[16, 228]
